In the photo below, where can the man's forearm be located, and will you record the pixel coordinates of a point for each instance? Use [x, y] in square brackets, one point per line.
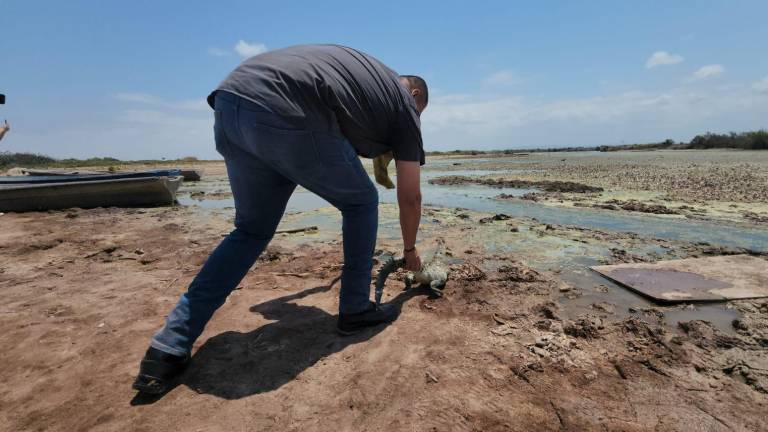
[409, 200]
[410, 217]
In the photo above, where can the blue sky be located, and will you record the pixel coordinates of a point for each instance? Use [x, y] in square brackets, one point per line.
[128, 79]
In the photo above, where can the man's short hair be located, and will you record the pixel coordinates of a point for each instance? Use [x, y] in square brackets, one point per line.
[418, 82]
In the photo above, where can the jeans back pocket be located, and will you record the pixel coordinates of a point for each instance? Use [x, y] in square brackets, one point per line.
[286, 148]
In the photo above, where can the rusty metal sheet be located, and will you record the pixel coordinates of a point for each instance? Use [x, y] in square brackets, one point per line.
[720, 278]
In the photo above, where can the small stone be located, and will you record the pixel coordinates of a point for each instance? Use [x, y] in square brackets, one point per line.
[496, 217]
[503, 330]
[101, 325]
[604, 306]
[739, 325]
[431, 378]
[542, 342]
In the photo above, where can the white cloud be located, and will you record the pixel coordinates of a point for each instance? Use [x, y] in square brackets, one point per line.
[662, 58]
[762, 85]
[465, 121]
[127, 134]
[217, 52]
[151, 100]
[245, 49]
[135, 126]
[502, 78]
[161, 127]
[707, 72]
[136, 97]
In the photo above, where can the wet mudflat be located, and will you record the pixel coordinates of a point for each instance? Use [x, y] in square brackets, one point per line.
[524, 338]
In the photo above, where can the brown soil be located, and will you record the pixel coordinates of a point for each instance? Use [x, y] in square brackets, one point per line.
[84, 290]
[634, 206]
[214, 195]
[754, 217]
[547, 186]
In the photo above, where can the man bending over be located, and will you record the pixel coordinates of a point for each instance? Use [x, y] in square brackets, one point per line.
[302, 116]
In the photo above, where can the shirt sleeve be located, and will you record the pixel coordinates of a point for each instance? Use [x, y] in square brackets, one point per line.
[405, 137]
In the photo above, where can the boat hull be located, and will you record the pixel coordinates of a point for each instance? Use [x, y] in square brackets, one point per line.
[59, 178]
[46, 172]
[130, 192]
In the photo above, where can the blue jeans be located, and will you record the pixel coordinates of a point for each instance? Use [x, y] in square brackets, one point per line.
[266, 157]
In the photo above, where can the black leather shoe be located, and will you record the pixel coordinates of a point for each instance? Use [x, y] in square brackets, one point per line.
[158, 370]
[352, 323]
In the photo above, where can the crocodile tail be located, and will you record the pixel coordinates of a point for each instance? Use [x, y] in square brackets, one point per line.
[390, 264]
[439, 248]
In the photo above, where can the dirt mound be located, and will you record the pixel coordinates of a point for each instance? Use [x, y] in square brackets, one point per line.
[545, 185]
[634, 206]
[518, 273]
[754, 217]
[704, 335]
[496, 217]
[587, 327]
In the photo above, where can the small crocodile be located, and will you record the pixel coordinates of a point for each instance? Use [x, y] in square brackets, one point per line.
[380, 166]
[433, 273]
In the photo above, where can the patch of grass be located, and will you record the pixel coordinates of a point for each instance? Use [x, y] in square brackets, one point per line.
[8, 160]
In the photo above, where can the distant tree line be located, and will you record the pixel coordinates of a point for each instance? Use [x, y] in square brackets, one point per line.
[9, 160]
[34, 160]
[755, 140]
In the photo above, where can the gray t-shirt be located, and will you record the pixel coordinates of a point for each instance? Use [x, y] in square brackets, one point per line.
[332, 87]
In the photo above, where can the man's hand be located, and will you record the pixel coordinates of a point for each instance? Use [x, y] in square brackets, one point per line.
[412, 260]
[409, 202]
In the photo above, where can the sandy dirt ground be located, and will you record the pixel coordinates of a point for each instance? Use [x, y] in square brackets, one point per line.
[505, 348]
[724, 175]
[85, 289]
[710, 185]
